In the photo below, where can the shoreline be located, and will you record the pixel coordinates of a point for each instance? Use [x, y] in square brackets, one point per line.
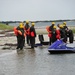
[39, 30]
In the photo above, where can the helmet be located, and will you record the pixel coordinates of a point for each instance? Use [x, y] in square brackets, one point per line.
[54, 27]
[64, 23]
[27, 21]
[53, 22]
[33, 24]
[61, 26]
[21, 25]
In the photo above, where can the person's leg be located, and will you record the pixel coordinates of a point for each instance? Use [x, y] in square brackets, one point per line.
[50, 41]
[33, 42]
[21, 43]
[18, 43]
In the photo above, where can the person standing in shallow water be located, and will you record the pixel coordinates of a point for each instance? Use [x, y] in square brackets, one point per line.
[20, 36]
[51, 29]
[32, 35]
[27, 28]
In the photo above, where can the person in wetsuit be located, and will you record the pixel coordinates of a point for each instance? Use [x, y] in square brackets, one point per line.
[27, 28]
[20, 36]
[63, 33]
[51, 29]
[32, 35]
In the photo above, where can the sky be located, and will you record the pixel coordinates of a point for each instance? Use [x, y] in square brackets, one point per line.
[33, 10]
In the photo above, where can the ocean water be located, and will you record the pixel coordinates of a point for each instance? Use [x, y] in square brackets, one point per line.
[44, 24]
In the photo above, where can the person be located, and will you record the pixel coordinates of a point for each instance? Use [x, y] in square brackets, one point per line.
[55, 34]
[51, 29]
[20, 36]
[27, 28]
[63, 33]
[32, 35]
[66, 30]
[64, 26]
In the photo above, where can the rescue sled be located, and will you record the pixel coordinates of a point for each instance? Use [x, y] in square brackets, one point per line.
[41, 39]
[60, 47]
[42, 42]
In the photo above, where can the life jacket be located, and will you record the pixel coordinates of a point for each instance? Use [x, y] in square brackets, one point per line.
[49, 35]
[58, 34]
[49, 31]
[27, 29]
[32, 34]
[47, 28]
[21, 32]
[15, 31]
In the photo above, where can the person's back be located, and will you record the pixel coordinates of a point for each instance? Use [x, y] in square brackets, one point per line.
[27, 26]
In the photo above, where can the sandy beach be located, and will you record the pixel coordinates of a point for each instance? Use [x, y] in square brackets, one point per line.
[10, 38]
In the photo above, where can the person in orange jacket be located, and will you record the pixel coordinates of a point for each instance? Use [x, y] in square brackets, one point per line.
[50, 30]
[20, 33]
[63, 33]
[53, 33]
[27, 28]
[32, 35]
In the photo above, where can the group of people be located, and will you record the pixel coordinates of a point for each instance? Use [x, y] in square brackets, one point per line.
[28, 32]
[57, 32]
[25, 31]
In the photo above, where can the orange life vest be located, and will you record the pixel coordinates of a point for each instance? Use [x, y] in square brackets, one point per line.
[58, 34]
[49, 32]
[19, 32]
[27, 31]
[15, 31]
[32, 34]
[47, 28]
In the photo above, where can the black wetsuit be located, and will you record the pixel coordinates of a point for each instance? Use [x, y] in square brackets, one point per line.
[51, 40]
[63, 34]
[32, 38]
[27, 36]
[20, 39]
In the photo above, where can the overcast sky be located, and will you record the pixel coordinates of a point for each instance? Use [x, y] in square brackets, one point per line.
[36, 10]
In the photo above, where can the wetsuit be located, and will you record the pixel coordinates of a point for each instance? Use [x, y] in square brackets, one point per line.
[51, 32]
[20, 38]
[63, 34]
[32, 36]
[27, 27]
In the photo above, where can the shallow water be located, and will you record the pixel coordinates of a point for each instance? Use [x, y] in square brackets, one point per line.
[44, 24]
[36, 62]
